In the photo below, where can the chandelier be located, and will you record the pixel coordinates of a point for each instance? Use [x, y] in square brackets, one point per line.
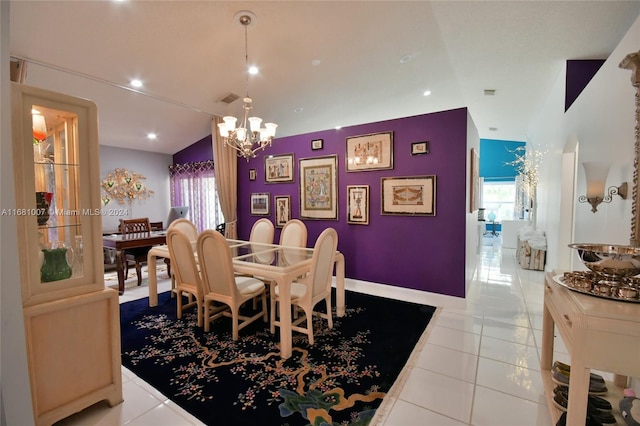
[247, 140]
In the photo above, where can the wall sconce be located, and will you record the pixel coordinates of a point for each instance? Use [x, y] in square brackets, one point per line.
[596, 174]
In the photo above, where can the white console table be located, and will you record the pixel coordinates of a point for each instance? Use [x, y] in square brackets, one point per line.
[599, 333]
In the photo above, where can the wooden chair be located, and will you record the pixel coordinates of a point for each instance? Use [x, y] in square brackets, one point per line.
[135, 228]
[294, 234]
[306, 292]
[262, 232]
[185, 270]
[222, 286]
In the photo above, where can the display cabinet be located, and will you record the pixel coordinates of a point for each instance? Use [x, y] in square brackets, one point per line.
[71, 320]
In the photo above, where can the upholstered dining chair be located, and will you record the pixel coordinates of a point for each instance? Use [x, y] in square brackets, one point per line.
[262, 232]
[189, 229]
[222, 286]
[308, 291]
[294, 234]
[135, 228]
[185, 270]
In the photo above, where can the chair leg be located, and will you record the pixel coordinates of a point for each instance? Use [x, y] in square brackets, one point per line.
[207, 321]
[179, 306]
[309, 325]
[139, 273]
[329, 315]
[173, 286]
[234, 322]
[264, 307]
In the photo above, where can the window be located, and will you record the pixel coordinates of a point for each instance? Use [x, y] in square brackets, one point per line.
[194, 185]
[498, 198]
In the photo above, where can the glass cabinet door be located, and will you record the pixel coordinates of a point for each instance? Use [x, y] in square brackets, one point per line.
[57, 194]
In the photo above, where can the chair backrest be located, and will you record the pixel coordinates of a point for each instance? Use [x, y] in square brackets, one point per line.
[323, 260]
[186, 227]
[183, 261]
[262, 232]
[135, 228]
[216, 265]
[156, 226]
[294, 234]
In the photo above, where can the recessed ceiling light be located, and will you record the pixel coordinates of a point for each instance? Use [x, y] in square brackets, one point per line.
[489, 92]
[253, 70]
[426, 93]
[151, 136]
[299, 109]
[136, 83]
[406, 58]
[315, 62]
[493, 129]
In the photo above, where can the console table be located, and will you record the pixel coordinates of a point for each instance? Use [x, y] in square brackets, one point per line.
[599, 333]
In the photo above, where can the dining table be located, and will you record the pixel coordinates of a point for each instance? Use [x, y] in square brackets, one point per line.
[121, 242]
[274, 262]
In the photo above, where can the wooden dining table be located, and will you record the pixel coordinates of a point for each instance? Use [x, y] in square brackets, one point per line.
[271, 261]
[121, 242]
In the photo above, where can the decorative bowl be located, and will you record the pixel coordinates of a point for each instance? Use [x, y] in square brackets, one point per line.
[611, 261]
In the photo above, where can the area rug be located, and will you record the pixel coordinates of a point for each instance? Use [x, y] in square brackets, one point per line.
[340, 380]
[131, 280]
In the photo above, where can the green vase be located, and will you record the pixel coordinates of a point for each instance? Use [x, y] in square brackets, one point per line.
[55, 266]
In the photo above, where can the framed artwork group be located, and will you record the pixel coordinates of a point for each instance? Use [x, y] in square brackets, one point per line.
[318, 183]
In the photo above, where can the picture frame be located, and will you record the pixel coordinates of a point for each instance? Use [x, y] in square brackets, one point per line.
[278, 168]
[410, 195]
[474, 185]
[369, 152]
[318, 186]
[358, 204]
[252, 174]
[282, 205]
[317, 144]
[419, 148]
[260, 203]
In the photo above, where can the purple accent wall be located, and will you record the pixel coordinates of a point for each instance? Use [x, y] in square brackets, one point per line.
[579, 74]
[199, 151]
[420, 252]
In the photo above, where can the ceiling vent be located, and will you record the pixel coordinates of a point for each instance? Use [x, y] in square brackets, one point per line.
[489, 92]
[229, 98]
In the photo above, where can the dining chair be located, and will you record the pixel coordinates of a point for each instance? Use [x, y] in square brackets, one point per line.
[189, 229]
[221, 285]
[294, 234]
[185, 270]
[135, 228]
[308, 291]
[262, 232]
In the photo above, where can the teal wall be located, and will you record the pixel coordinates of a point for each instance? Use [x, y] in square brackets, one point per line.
[495, 156]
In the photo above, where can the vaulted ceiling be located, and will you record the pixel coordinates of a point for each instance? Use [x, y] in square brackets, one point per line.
[322, 63]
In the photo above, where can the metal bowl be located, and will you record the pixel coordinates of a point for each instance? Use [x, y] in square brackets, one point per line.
[611, 261]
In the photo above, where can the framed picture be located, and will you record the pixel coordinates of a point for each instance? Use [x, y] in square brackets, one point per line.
[283, 209]
[418, 148]
[413, 195]
[319, 187]
[252, 174]
[278, 168]
[260, 204]
[370, 152]
[317, 144]
[358, 204]
[474, 185]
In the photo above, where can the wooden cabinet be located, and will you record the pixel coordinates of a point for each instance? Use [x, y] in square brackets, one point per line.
[71, 320]
[599, 333]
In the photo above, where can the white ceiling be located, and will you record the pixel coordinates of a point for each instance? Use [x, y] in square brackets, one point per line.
[190, 54]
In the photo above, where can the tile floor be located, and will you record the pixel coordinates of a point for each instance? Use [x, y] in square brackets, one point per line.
[479, 365]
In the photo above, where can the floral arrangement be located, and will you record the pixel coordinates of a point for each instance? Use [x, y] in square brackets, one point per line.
[124, 186]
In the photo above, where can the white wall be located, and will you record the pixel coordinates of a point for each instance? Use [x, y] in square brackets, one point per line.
[602, 120]
[473, 141]
[155, 167]
[15, 394]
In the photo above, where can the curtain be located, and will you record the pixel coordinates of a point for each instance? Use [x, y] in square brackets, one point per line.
[226, 173]
[193, 185]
